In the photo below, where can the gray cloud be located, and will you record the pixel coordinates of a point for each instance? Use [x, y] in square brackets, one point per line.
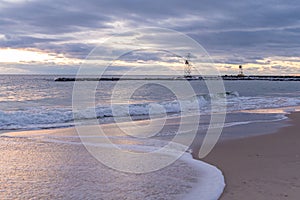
[24, 41]
[279, 67]
[239, 31]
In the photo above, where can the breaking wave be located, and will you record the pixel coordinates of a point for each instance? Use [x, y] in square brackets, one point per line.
[38, 118]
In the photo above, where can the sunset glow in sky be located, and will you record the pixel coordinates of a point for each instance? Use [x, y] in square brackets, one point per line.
[15, 56]
[52, 36]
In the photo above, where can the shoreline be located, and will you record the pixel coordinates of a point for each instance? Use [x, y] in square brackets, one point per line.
[246, 162]
[261, 167]
[186, 178]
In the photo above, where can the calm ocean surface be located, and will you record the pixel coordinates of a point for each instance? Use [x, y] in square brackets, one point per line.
[30, 102]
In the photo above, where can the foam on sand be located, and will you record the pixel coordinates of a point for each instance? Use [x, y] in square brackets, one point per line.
[189, 178]
[211, 184]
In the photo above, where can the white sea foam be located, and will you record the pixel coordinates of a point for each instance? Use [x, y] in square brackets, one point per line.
[43, 117]
[209, 185]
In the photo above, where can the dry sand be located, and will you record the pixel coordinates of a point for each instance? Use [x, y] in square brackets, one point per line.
[261, 167]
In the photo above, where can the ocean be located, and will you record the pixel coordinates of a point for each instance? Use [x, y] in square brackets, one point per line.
[29, 102]
[53, 162]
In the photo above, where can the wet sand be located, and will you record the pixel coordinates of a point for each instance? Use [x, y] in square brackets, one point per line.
[261, 167]
[53, 164]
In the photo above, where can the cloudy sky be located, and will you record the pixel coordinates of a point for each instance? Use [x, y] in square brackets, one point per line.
[55, 36]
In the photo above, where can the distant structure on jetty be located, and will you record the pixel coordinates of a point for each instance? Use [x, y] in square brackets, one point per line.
[188, 67]
[193, 78]
[187, 76]
[241, 73]
[261, 78]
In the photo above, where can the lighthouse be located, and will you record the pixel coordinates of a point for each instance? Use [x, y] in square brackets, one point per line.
[241, 73]
[188, 66]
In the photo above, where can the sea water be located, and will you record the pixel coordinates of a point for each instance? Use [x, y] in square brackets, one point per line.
[56, 165]
[37, 102]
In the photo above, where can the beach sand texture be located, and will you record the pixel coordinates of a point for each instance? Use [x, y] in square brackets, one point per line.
[261, 167]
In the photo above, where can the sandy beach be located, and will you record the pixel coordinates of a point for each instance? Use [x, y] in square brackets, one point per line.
[261, 167]
[257, 167]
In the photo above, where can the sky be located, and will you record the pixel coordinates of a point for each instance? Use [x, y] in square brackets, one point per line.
[56, 36]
